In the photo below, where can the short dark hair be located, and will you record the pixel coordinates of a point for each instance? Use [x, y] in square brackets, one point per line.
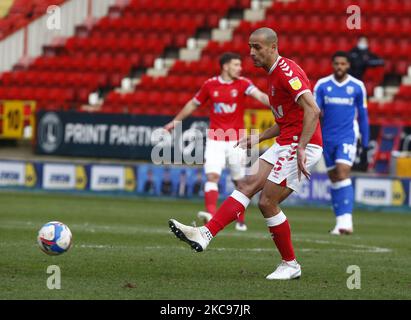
[341, 54]
[227, 57]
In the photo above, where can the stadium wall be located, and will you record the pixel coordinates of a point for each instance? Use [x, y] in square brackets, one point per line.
[133, 136]
[146, 179]
[114, 135]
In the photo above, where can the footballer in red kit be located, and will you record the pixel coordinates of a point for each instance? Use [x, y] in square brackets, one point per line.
[281, 169]
[226, 94]
[287, 82]
[227, 106]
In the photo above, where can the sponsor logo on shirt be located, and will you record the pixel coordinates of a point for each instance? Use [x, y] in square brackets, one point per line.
[338, 100]
[224, 107]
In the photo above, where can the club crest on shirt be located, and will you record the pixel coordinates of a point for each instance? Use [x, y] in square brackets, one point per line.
[215, 93]
[234, 93]
[350, 90]
[295, 83]
[329, 88]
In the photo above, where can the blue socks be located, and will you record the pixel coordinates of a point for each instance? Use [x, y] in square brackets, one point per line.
[342, 195]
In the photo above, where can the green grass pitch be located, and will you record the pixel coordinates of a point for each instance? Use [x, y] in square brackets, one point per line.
[123, 250]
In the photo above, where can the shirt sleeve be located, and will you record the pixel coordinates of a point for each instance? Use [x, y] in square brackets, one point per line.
[319, 96]
[202, 95]
[295, 81]
[249, 86]
[361, 104]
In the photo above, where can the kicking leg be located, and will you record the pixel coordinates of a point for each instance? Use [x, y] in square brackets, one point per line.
[235, 205]
[231, 208]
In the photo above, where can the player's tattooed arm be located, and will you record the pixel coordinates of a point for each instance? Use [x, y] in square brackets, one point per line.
[188, 109]
[260, 96]
[310, 121]
[248, 141]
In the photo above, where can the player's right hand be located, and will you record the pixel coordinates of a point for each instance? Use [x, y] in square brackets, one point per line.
[169, 126]
[302, 163]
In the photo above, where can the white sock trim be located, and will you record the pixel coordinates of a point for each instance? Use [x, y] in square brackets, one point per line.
[276, 220]
[210, 186]
[341, 184]
[240, 197]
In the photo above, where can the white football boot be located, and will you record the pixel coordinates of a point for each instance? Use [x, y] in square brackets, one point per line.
[337, 231]
[205, 216]
[197, 238]
[344, 225]
[240, 226]
[286, 271]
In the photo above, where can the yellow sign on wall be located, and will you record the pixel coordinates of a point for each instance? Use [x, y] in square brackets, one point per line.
[404, 167]
[13, 120]
[15, 117]
[260, 120]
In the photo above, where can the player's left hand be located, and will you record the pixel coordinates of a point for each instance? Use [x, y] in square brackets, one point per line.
[301, 162]
[364, 158]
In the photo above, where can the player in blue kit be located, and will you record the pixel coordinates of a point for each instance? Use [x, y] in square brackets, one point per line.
[343, 101]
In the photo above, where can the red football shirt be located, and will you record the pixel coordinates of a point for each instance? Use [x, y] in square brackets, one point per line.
[227, 105]
[286, 83]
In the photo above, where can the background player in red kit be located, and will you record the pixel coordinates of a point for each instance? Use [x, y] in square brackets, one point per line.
[226, 93]
[297, 149]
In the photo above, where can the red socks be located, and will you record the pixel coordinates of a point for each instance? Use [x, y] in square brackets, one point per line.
[231, 209]
[211, 197]
[281, 234]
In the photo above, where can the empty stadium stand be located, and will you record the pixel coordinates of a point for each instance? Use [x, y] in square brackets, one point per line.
[132, 37]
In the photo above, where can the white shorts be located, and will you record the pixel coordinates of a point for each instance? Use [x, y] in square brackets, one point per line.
[222, 154]
[284, 160]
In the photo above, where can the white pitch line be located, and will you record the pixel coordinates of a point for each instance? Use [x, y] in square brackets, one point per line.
[92, 228]
[95, 246]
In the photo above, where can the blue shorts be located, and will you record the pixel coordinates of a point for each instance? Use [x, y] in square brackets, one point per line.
[340, 152]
